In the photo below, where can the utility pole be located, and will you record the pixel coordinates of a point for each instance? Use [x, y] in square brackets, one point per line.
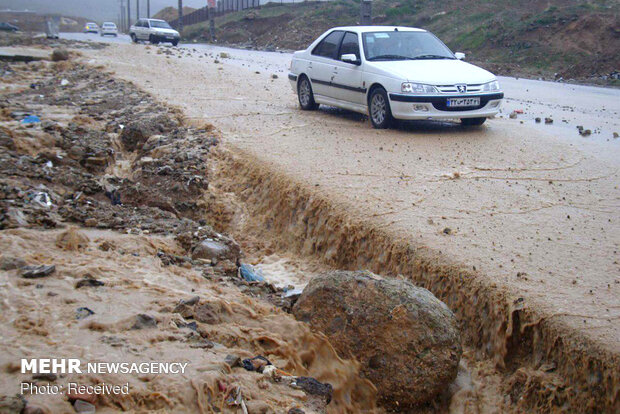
[366, 12]
[137, 9]
[148, 9]
[180, 16]
[128, 14]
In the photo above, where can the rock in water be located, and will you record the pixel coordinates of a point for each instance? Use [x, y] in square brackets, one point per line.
[215, 250]
[406, 339]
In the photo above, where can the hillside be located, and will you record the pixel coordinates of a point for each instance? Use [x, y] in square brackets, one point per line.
[32, 22]
[171, 13]
[573, 38]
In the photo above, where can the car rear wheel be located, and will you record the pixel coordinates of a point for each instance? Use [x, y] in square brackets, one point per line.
[134, 38]
[379, 109]
[305, 95]
[472, 121]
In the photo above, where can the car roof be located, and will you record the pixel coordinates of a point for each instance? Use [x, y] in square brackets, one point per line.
[364, 29]
[109, 23]
[91, 23]
[156, 20]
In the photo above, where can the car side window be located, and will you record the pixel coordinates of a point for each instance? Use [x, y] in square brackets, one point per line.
[329, 46]
[350, 45]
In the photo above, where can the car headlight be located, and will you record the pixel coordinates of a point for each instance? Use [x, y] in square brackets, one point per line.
[491, 87]
[409, 87]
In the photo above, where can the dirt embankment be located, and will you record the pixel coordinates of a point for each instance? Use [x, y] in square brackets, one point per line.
[550, 39]
[33, 22]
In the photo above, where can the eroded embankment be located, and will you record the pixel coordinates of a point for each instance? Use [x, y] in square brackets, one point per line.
[548, 366]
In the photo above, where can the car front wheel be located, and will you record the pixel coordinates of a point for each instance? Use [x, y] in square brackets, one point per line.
[379, 109]
[472, 121]
[305, 95]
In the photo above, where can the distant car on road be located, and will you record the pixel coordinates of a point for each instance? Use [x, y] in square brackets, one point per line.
[108, 28]
[155, 31]
[393, 73]
[8, 27]
[91, 27]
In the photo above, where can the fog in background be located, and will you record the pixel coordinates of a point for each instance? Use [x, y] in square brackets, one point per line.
[98, 10]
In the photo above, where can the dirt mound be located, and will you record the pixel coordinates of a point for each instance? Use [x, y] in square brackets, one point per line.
[172, 13]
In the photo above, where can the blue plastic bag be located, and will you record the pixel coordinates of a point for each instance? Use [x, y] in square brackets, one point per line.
[249, 274]
[31, 119]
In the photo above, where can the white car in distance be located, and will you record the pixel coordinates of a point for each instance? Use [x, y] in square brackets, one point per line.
[108, 28]
[392, 73]
[155, 31]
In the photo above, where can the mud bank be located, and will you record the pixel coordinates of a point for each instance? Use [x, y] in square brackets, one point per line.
[548, 366]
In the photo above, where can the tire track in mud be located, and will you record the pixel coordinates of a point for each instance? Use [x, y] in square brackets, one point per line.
[548, 366]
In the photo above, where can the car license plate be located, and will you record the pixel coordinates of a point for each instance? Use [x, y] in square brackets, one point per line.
[463, 102]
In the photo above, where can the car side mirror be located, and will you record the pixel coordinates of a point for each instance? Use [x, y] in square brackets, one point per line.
[459, 55]
[350, 58]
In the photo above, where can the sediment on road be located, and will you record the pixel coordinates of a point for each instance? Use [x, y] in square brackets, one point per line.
[547, 365]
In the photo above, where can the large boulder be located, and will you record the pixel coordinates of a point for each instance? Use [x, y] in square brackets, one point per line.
[406, 339]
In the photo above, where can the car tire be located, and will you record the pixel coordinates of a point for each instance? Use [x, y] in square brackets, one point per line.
[153, 40]
[176, 42]
[133, 38]
[305, 94]
[472, 121]
[379, 109]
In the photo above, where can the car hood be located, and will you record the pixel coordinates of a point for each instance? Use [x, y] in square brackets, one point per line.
[434, 71]
[166, 31]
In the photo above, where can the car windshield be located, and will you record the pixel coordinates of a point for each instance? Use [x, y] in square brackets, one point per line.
[160, 24]
[404, 45]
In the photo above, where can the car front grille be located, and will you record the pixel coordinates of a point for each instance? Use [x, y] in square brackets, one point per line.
[471, 88]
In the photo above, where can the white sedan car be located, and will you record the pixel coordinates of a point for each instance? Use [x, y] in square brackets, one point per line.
[109, 28]
[393, 73]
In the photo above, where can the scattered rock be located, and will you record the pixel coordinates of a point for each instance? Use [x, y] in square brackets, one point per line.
[207, 313]
[415, 348]
[548, 120]
[274, 76]
[232, 360]
[537, 120]
[215, 250]
[83, 407]
[513, 115]
[35, 272]
[83, 312]
[447, 230]
[59, 55]
[296, 411]
[72, 240]
[88, 282]
[144, 321]
[314, 387]
[616, 135]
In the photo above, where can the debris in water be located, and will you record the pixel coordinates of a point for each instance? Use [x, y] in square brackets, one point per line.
[255, 364]
[314, 387]
[247, 272]
[36, 272]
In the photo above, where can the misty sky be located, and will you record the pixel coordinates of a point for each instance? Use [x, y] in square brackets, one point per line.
[92, 9]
